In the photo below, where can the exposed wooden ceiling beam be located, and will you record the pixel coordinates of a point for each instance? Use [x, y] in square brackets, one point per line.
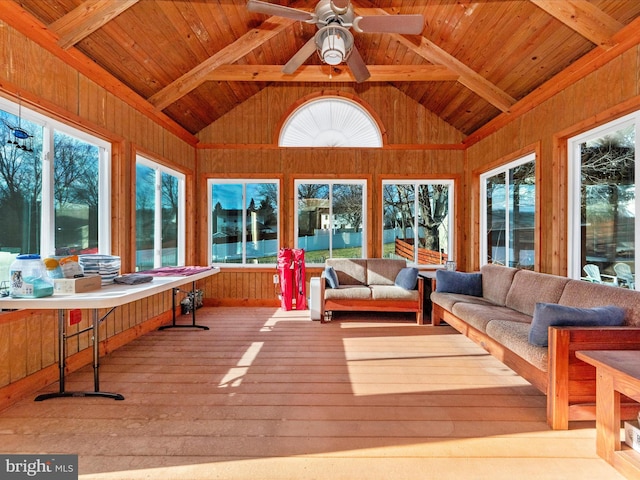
[230, 54]
[434, 54]
[468, 77]
[86, 18]
[324, 73]
[585, 18]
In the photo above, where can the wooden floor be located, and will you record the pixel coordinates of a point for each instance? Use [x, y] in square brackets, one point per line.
[266, 394]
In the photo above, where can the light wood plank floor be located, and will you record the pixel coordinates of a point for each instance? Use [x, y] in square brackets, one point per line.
[267, 394]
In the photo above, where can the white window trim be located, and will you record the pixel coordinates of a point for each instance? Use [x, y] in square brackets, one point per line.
[157, 233]
[244, 182]
[47, 224]
[484, 248]
[451, 216]
[316, 181]
[574, 233]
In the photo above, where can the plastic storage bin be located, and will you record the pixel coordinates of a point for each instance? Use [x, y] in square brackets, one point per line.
[29, 278]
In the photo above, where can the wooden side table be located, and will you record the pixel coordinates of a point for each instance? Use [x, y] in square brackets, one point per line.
[617, 373]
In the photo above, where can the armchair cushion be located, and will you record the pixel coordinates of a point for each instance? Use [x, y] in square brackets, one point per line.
[332, 277]
[407, 278]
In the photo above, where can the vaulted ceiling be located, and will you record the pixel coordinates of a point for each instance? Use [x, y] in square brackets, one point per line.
[195, 60]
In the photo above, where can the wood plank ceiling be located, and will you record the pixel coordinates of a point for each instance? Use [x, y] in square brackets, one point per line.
[195, 60]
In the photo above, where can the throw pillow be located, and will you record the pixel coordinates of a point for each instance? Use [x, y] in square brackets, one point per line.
[547, 315]
[407, 278]
[332, 277]
[459, 282]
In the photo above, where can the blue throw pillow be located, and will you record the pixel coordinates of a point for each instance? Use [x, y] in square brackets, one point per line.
[332, 277]
[407, 278]
[548, 315]
[459, 282]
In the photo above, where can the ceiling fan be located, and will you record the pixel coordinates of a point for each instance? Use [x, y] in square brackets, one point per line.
[333, 41]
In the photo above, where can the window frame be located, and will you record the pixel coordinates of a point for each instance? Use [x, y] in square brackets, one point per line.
[244, 181]
[160, 169]
[331, 182]
[574, 234]
[47, 223]
[505, 168]
[451, 237]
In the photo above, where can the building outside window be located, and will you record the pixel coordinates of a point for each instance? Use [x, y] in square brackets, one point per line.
[417, 221]
[54, 186]
[603, 202]
[160, 218]
[508, 210]
[330, 219]
[244, 221]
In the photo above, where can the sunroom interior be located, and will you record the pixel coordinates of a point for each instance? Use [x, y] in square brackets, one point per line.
[165, 133]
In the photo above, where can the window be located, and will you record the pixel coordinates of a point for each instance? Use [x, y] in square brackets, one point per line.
[508, 208]
[419, 210]
[160, 219]
[54, 186]
[330, 219]
[603, 202]
[330, 122]
[245, 223]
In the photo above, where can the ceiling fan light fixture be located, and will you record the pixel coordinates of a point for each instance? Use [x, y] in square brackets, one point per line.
[334, 44]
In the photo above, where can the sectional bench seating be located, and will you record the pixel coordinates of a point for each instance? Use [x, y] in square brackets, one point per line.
[373, 285]
[506, 309]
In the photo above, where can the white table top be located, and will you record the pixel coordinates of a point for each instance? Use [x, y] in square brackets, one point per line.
[108, 296]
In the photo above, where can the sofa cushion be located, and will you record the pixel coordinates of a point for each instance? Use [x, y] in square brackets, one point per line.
[514, 336]
[459, 282]
[448, 300]
[348, 292]
[496, 281]
[528, 288]
[383, 271]
[350, 271]
[478, 316]
[391, 292]
[332, 277]
[552, 314]
[407, 278]
[578, 293]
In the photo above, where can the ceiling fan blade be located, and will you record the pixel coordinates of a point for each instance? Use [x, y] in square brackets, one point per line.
[405, 24]
[279, 10]
[300, 57]
[357, 66]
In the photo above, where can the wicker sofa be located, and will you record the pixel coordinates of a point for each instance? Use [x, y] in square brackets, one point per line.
[500, 320]
[368, 285]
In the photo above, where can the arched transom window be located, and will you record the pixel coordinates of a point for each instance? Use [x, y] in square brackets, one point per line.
[330, 122]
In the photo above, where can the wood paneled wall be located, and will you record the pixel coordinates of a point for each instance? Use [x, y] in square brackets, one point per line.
[28, 339]
[244, 143]
[609, 92]
[257, 120]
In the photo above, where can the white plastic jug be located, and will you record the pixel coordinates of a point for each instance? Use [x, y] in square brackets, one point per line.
[29, 278]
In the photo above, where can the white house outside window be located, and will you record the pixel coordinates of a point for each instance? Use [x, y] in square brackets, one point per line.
[330, 219]
[244, 221]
